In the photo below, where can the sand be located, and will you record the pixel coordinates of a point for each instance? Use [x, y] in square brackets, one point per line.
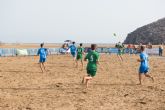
[24, 87]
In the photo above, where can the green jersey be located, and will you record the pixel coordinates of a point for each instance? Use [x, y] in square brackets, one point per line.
[92, 58]
[80, 50]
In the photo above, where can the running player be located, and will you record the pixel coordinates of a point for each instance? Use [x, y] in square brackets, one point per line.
[144, 67]
[80, 52]
[73, 50]
[93, 60]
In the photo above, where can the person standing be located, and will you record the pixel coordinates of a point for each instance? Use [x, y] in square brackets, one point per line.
[42, 52]
[161, 50]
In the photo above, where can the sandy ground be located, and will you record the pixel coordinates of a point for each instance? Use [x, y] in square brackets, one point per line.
[24, 87]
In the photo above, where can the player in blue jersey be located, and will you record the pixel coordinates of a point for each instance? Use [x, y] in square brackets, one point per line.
[42, 52]
[144, 67]
[73, 50]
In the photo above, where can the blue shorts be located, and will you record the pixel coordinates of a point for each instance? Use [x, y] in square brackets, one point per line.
[73, 54]
[42, 60]
[143, 70]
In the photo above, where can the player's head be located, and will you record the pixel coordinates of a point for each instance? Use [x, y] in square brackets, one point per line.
[81, 44]
[73, 42]
[42, 44]
[142, 48]
[93, 46]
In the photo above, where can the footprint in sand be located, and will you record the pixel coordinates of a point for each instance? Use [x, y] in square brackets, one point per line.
[142, 102]
[28, 108]
[126, 95]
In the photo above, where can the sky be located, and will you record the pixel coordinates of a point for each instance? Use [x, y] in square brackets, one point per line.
[86, 21]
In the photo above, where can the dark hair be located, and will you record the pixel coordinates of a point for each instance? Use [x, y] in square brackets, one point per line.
[81, 44]
[93, 46]
[73, 42]
[142, 48]
[42, 44]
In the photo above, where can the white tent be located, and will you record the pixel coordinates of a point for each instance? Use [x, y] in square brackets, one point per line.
[21, 52]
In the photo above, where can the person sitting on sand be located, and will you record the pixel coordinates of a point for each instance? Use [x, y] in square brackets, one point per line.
[93, 60]
[144, 67]
[43, 55]
[80, 52]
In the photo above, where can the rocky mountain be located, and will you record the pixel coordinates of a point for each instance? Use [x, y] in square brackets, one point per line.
[153, 33]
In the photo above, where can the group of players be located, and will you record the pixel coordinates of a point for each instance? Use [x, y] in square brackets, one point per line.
[93, 60]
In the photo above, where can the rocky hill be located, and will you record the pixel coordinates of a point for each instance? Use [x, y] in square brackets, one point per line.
[154, 33]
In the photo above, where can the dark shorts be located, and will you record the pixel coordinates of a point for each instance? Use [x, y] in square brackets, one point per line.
[79, 57]
[73, 54]
[143, 70]
[91, 73]
[42, 60]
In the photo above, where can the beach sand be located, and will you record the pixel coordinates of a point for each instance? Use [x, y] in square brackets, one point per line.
[24, 87]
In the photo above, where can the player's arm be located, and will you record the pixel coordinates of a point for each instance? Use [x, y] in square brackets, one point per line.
[86, 57]
[141, 58]
[38, 52]
[68, 48]
[97, 59]
[83, 51]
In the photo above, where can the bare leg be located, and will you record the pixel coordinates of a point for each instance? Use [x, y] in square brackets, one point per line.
[74, 58]
[87, 83]
[41, 67]
[87, 79]
[140, 78]
[119, 56]
[82, 64]
[74, 61]
[147, 75]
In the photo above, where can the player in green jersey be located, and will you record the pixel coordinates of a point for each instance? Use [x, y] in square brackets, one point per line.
[120, 48]
[93, 60]
[80, 52]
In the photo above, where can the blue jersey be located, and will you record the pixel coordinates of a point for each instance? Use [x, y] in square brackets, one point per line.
[144, 58]
[42, 52]
[73, 48]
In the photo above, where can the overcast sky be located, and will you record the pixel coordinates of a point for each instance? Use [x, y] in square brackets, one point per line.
[84, 21]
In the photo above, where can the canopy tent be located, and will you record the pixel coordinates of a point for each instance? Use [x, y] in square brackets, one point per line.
[68, 41]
